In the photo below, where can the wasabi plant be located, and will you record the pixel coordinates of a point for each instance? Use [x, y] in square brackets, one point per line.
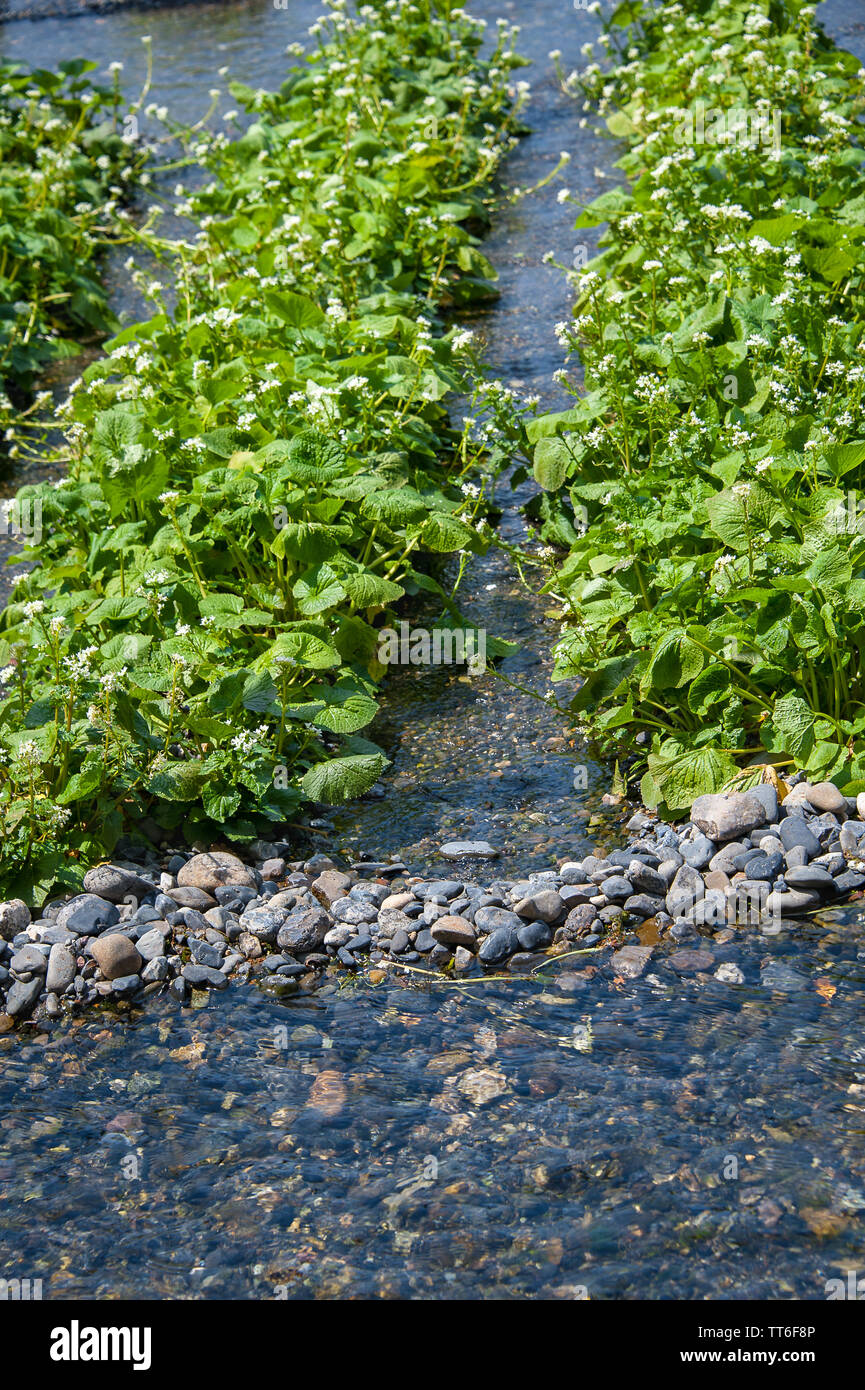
[707, 483]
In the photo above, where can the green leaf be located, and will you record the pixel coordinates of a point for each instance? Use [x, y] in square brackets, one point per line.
[341, 779]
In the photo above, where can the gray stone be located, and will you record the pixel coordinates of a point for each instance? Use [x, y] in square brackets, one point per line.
[477, 849]
[533, 936]
[86, 914]
[643, 905]
[545, 906]
[793, 902]
[501, 943]
[617, 888]
[14, 917]
[115, 884]
[22, 997]
[825, 796]
[125, 984]
[811, 876]
[729, 974]
[572, 873]
[61, 968]
[306, 931]
[354, 911]
[29, 961]
[205, 953]
[151, 944]
[780, 977]
[646, 879]
[686, 889]
[493, 918]
[794, 831]
[728, 815]
[697, 852]
[631, 961]
[155, 970]
[204, 977]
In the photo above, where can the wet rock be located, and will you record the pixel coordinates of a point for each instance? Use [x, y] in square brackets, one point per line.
[151, 944]
[534, 935]
[463, 959]
[617, 888]
[631, 961]
[115, 884]
[205, 953]
[642, 906]
[777, 976]
[482, 1085]
[273, 869]
[208, 872]
[765, 867]
[204, 977]
[477, 849]
[125, 984]
[499, 944]
[848, 882]
[115, 955]
[29, 961]
[155, 970]
[453, 931]
[690, 962]
[646, 879]
[197, 897]
[579, 920]
[729, 974]
[728, 815]
[14, 917]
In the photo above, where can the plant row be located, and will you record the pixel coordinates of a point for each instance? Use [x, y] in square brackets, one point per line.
[65, 174]
[708, 482]
[260, 472]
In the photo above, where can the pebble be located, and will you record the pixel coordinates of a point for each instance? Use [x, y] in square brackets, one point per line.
[115, 955]
[477, 849]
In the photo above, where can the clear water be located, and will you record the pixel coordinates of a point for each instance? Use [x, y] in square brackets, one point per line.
[574, 1132]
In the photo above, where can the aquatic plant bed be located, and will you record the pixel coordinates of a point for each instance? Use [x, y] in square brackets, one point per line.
[194, 923]
[260, 476]
[708, 485]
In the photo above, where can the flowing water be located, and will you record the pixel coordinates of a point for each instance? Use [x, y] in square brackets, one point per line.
[570, 1135]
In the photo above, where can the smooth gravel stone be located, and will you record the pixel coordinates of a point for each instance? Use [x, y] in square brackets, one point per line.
[546, 906]
[534, 935]
[217, 869]
[780, 977]
[391, 919]
[447, 887]
[125, 984]
[726, 859]
[338, 936]
[849, 837]
[767, 795]
[28, 961]
[643, 905]
[728, 815]
[794, 831]
[399, 942]
[232, 896]
[61, 968]
[811, 876]
[646, 879]
[116, 884]
[794, 901]
[261, 924]
[52, 936]
[361, 941]
[146, 913]
[204, 977]
[698, 852]
[205, 953]
[833, 863]
[454, 931]
[192, 897]
[477, 849]
[825, 796]
[425, 941]
[22, 997]
[115, 955]
[87, 914]
[572, 873]
[796, 857]
[668, 868]
[353, 911]
[395, 901]
[571, 894]
[151, 944]
[771, 844]
[765, 867]
[306, 930]
[848, 882]
[490, 919]
[502, 942]
[618, 888]
[433, 911]
[686, 889]
[592, 863]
